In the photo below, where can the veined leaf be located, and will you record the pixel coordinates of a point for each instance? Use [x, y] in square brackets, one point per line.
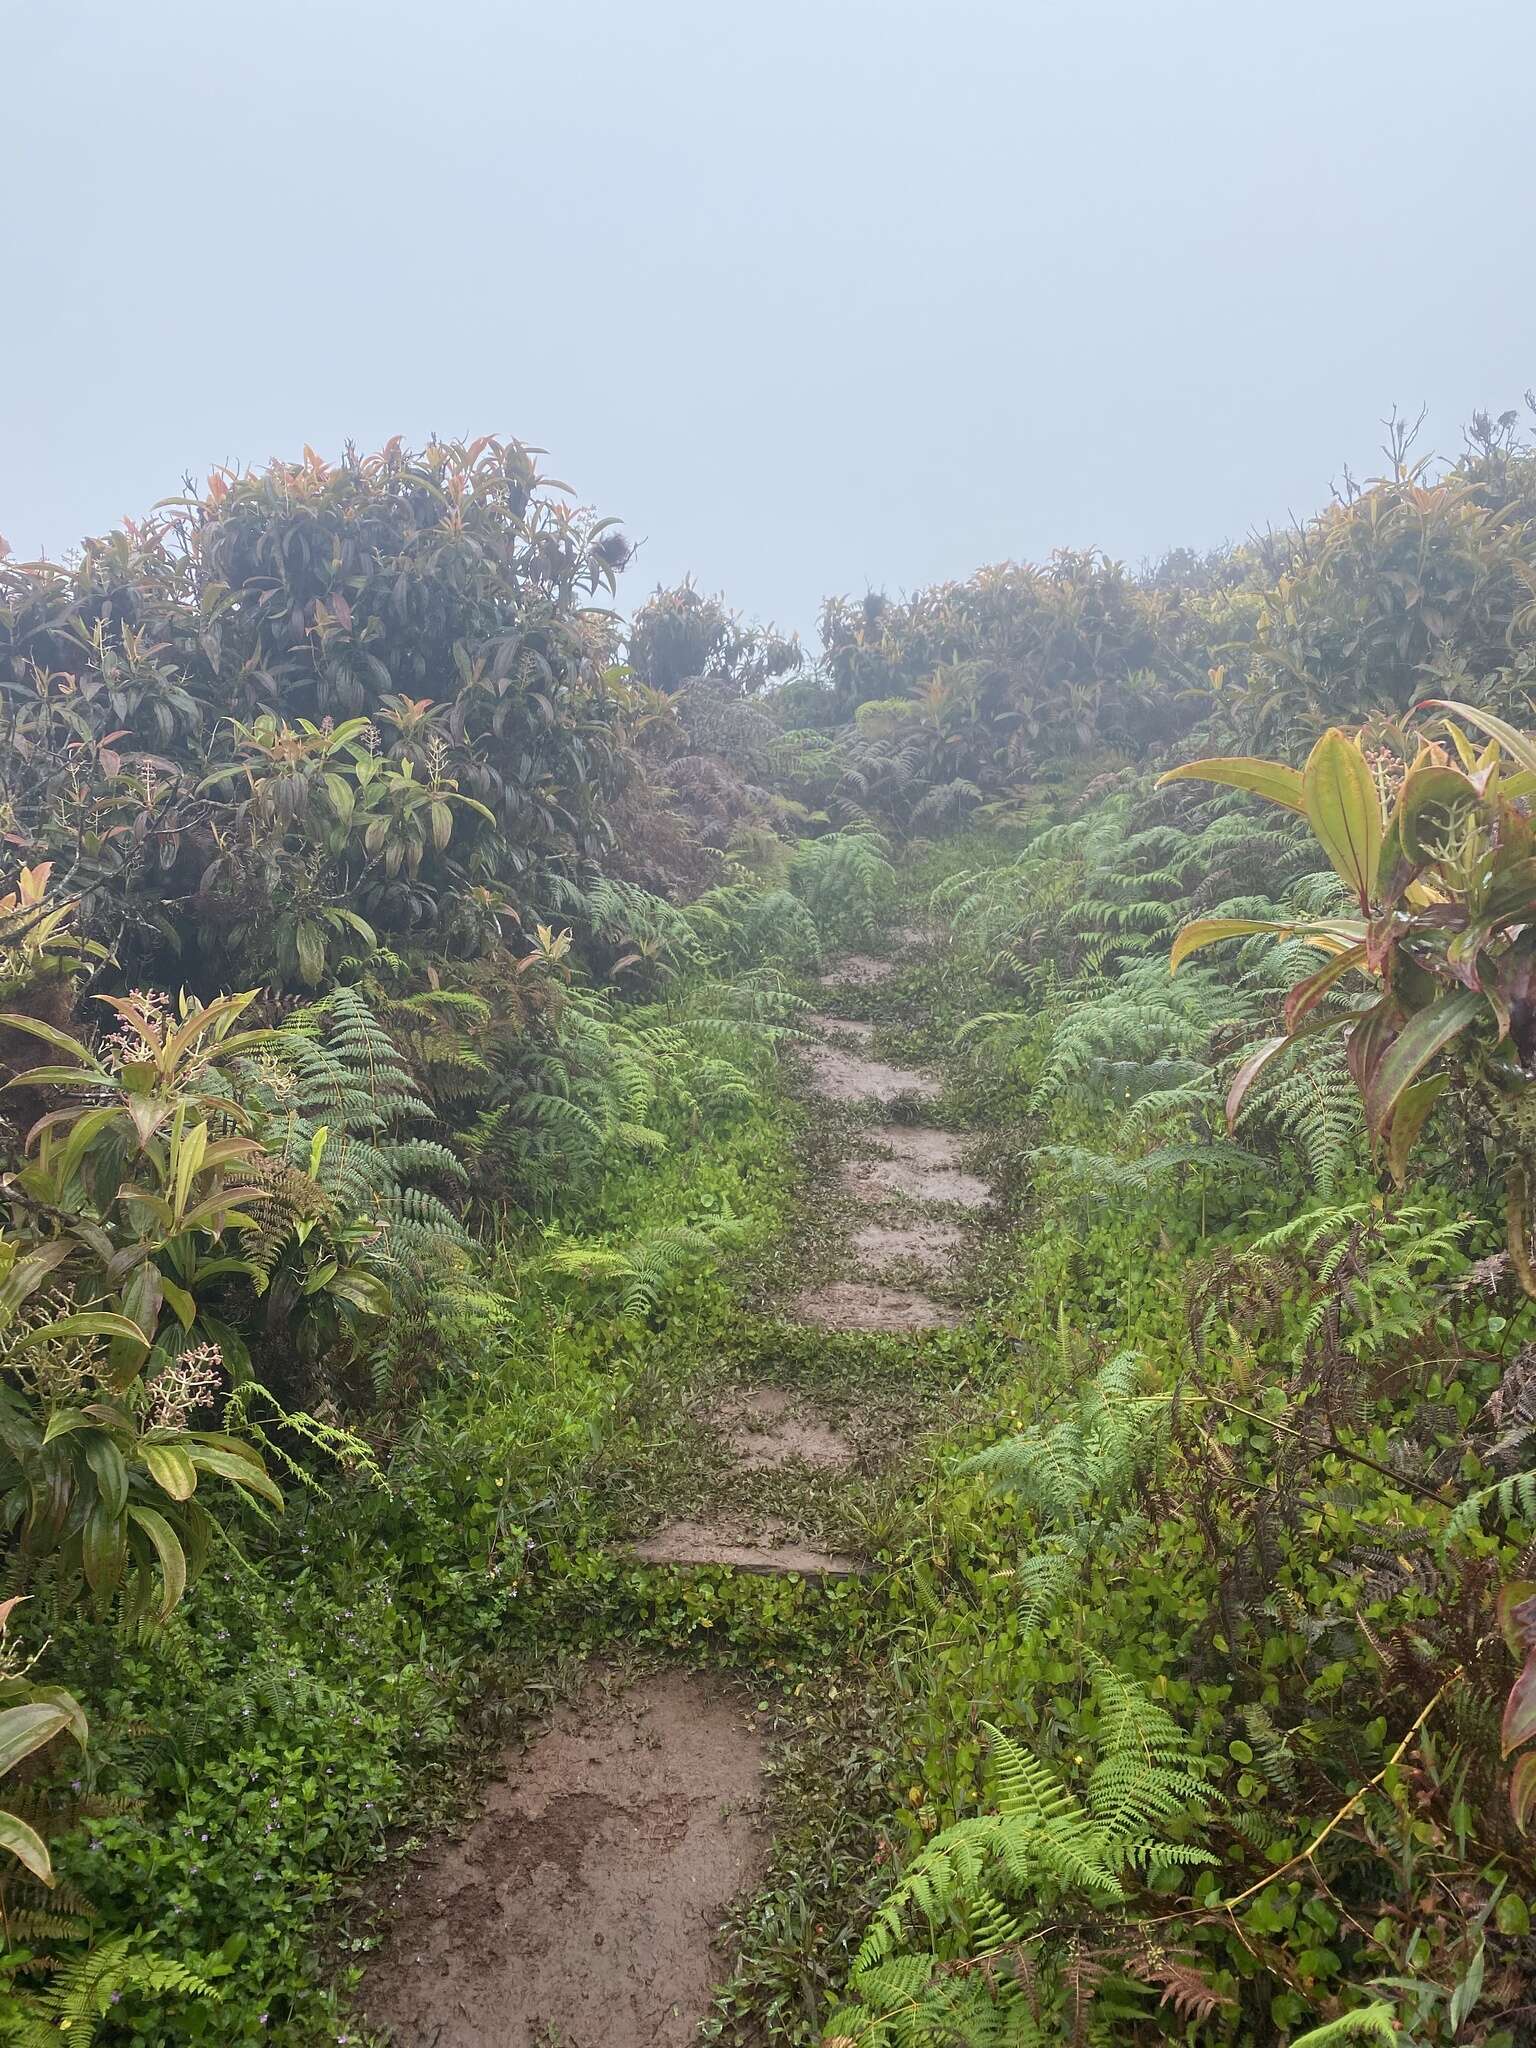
[51, 1035]
[1328, 935]
[1522, 1791]
[1272, 780]
[1306, 995]
[1426, 1033]
[1519, 1723]
[28, 1727]
[1408, 1119]
[168, 1551]
[26, 1845]
[253, 1478]
[1425, 792]
[171, 1469]
[1344, 810]
[89, 1323]
[1515, 743]
[1260, 1057]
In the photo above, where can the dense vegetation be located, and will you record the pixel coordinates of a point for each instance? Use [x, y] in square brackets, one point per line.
[396, 953]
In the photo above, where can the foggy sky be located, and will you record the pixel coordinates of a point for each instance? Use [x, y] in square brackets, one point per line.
[812, 293]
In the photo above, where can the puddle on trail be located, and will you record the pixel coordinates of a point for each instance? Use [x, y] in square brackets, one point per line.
[764, 1428]
[581, 1907]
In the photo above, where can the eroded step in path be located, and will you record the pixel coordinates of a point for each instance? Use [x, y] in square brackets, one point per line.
[865, 1305]
[765, 1428]
[921, 1162]
[771, 1548]
[840, 1075]
[581, 1907]
[821, 1026]
[924, 1241]
[857, 970]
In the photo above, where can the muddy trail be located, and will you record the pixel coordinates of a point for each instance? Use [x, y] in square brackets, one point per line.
[581, 1906]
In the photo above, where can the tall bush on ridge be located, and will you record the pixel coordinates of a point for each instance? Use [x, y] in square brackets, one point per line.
[679, 635]
[378, 683]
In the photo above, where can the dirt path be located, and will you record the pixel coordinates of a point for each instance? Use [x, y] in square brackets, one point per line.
[581, 1908]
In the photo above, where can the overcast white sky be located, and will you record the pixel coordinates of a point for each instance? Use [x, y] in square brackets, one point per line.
[813, 293]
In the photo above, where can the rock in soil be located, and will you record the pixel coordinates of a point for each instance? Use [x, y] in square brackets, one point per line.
[861, 1305]
[581, 1907]
[764, 1428]
[770, 1549]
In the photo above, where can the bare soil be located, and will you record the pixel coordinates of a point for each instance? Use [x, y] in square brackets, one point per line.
[764, 1428]
[864, 1305]
[851, 1027]
[770, 1548]
[921, 1163]
[580, 1908]
[925, 1242]
[857, 970]
[849, 1077]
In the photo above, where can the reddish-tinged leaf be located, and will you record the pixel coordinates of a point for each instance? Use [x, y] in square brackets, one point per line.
[1306, 995]
[1522, 1790]
[1519, 1723]
[1517, 1615]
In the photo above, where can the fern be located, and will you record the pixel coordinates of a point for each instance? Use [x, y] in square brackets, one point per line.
[1092, 1453]
[641, 1271]
[991, 1882]
[1375, 2022]
[66, 2010]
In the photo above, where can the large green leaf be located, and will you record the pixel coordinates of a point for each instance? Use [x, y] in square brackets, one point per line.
[1271, 1049]
[89, 1323]
[1426, 1033]
[1425, 805]
[1344, 810]
[1413, 1107]
[1272, 780]
[27, 1845]
[171, 1469]
[108, 1470]
[1518, 745]
[50, 1034]
[172, 1558]
[1210, 931]
[1307, 994]
[1519, 1709]
[28, 1727]
[29, 1272]
[225, 1466]
[1329, 935]
[103, 1550]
